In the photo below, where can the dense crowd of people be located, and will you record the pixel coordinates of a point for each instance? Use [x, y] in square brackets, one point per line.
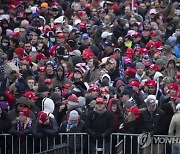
[94, 66]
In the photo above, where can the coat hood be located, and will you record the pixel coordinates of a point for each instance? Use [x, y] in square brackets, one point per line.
[48, 105]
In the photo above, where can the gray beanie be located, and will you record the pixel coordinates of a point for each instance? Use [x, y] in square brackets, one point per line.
[140, 65]
[73, 115]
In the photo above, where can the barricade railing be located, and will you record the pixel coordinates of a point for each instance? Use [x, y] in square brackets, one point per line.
[79, 143]
[145, 143]
[76, 143]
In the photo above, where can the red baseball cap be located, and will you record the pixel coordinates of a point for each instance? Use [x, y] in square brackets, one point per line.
[24, 111]
[87, 53]
[130, 71]
[154, 67]
[72, 98]
[48, 81]
[30, 94]
[42, 116]
[153, 33]
[174, 86]
[135, 83]
[137, 34]
[42, 69]
[150, 83]
[143, 51]
[129, 52]
[100, 100]
[150, 44]
[40, 56]
[157, 52]
[134, 109]
[28, 59]
[81, 13]
[61, 35]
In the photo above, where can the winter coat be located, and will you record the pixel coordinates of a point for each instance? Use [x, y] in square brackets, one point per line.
[40, 131]
[22, 133]
[153, 122]
[5, 122]
[92, 76]
[78, 129]
[99, 125]
[174, 128]
[44, 134]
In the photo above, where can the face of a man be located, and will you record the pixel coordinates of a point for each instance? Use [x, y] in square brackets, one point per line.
[49, 69]
[90, 63]
[151, 108]
[31, 83]
[100, 106]
[139, 71]
[152, 90]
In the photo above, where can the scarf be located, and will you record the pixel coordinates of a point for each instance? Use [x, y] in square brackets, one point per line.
[71, 125]
[22, 126]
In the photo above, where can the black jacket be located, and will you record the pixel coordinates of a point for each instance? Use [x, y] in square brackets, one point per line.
[39, 130]
[99, 125]
[153, 122]
[5, 122]
[78, 129]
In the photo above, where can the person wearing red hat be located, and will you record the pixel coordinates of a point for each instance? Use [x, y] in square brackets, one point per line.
[94, 90]
[153, 69]
[49, 83]
[130, 74]
[45, 126]
[131, 125]
[99, 125]
[173, 91]
[151, 87]
[83, 16]
[22, 127]
[31, 97]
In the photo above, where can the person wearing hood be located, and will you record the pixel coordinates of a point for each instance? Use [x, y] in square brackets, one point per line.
[21, 103]
[43, 92]
[114, 107]
[73, 104]
[48, 106]
[171, 68]
[50, 73]
[60, 79]
[99, 125]
[73, 124]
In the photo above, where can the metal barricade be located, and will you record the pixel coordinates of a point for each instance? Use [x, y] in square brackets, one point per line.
[61, 149]
[77, 143]
[144, 144]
